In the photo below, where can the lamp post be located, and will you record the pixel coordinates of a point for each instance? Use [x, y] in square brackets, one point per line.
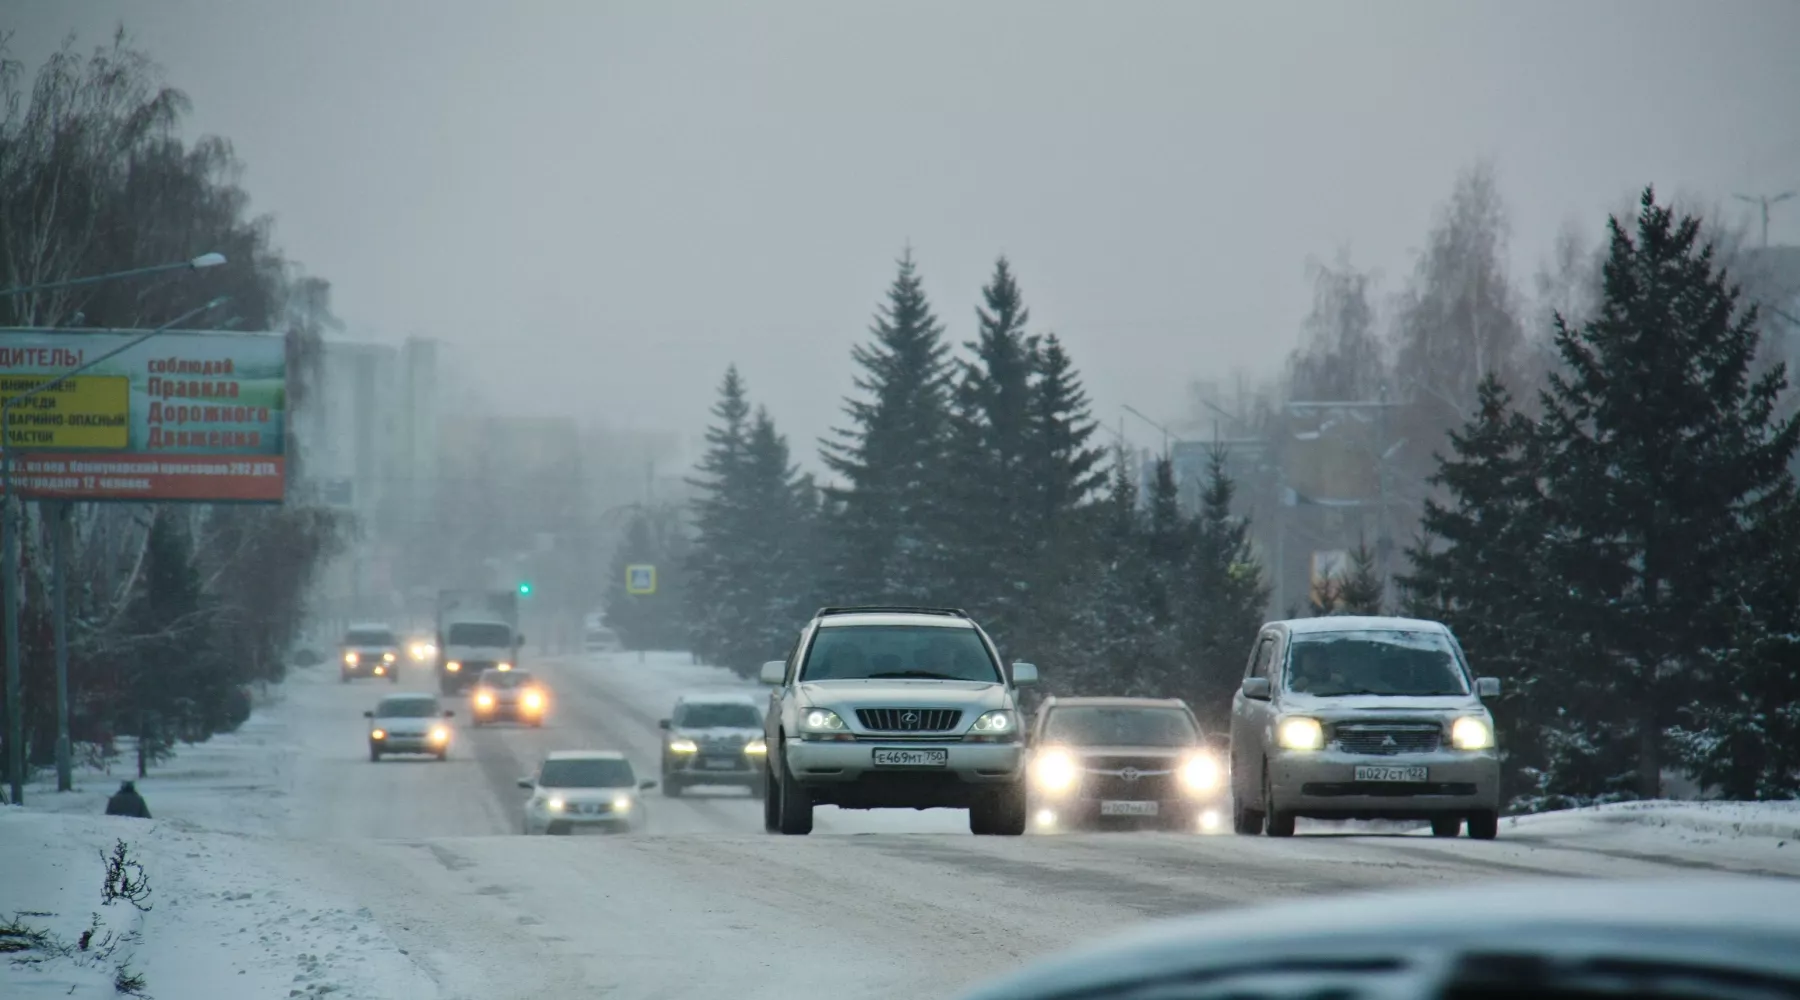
[199, 263]
[1166, 433]
[9, 571]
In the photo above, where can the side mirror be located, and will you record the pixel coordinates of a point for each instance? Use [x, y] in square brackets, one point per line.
[1024, 674]
[368, 715]
[662, 723]
[449, 713]
[527, 783]
[1256, 688]
[774, 672]
[1487, 687]
[646, 784]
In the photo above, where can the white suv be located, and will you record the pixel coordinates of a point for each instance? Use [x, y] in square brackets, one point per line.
[894, 708]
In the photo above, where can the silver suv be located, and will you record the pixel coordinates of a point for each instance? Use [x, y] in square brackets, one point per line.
[894, 708]
[1363, 718]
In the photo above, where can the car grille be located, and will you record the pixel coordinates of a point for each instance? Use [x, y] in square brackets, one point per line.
[476, 666]
[909, 720]
[1389, 738]
[720, 744]
[1127, 777]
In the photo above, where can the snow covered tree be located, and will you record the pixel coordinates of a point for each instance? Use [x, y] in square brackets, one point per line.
[1664, 457]
[655, 537]
[887, 511]
[719, 522]
[1223, 602]
[1340, 357]
[772, 575]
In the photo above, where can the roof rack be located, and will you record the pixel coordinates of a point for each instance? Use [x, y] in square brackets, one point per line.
[877, 609]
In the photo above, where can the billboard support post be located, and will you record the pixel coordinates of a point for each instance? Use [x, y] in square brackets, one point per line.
[10, 510]
[59, 613]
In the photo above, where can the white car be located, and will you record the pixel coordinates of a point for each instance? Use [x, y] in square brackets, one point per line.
[584, 788]
[409, 723]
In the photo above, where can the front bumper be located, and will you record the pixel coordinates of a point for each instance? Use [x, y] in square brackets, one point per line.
[603, 816]
[1322, 784]
[715, 767]
[408, 744]
[844, 773]
[513, 711]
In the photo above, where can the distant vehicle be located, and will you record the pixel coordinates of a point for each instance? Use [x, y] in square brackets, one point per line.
[513, 695]
[713, 739]
[409, 724]
[1123, 761]
[584, 788]
[421, 648]
[895, 708]
[476, 630]
[597, 638]
[1363, 718]
[1656, 939]
[369, 650]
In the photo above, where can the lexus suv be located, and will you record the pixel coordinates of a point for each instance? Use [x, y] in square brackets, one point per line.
[1110, 762]
[713, 739]
[894, 708]
[1363, 718]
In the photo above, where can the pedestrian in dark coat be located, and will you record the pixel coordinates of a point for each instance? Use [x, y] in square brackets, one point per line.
[127, 802]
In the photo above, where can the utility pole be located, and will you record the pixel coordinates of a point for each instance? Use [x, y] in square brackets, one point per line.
[1765, 202]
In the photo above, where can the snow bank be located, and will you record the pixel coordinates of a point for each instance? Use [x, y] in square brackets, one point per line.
[1768, 820]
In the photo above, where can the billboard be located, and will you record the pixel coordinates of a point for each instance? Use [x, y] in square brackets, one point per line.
[184, 416]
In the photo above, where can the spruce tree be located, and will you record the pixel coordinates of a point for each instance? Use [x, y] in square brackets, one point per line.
[1362, 591]
[774, 581]
[1225, 602]
[1663, 455]
[715, 563]
[1112, 638]
[888, 509]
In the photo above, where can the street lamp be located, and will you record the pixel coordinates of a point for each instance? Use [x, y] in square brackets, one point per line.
[199, 263]
[1166, 433]
[9, 560]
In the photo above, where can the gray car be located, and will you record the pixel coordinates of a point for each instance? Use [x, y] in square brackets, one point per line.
[1363, 718]
[713, 739]
[894, 708]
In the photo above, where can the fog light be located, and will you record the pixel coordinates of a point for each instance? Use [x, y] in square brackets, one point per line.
[1046, 818]
[1209, 820]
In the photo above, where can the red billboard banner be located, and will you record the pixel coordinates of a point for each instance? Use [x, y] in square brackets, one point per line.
[202, 478]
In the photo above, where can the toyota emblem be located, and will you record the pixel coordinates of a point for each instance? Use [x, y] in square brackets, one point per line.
[1129, 774]
[909, 718]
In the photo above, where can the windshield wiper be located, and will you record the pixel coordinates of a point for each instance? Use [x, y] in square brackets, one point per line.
[925, 674]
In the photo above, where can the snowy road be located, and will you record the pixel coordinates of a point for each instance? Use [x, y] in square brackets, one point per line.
[426, 860]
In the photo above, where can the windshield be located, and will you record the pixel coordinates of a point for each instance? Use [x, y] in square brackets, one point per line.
[1387, 662]
[718, 716]
[603, 772]
[862, 652]
[369, 637]
[478, 634]
[407, 708]
[1093, 725]
[506, 680]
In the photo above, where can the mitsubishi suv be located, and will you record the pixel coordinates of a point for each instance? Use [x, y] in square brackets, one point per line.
[894, 708]
[1363, 718]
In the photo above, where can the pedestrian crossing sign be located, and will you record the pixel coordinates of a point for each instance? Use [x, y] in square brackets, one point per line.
[640, 579]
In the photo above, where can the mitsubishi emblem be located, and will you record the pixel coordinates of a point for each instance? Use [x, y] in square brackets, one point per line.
[1388, 741]
[909, 718]
[1129, 774]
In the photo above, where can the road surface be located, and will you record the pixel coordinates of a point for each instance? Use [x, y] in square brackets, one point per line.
[704, 903]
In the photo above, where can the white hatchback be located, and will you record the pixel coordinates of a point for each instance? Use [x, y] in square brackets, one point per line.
[584, 788]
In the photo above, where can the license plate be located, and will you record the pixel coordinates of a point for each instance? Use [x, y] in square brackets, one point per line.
[719, 764]
[885, 757]
[1109, 807]
[1381, 772]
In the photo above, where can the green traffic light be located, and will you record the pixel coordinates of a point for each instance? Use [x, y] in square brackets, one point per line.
[524, 588]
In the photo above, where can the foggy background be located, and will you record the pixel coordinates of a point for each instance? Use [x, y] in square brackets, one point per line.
[600, 205]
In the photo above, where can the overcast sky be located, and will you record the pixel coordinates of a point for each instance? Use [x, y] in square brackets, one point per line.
[607, 203]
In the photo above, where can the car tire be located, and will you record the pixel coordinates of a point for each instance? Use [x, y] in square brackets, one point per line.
[671, 787]
[771, 793]
[344, 676]
[374, 756]
[1001, 814]
[443, 755]
[793, 806]
[1484, 825]
[1446, 826]
[759, 788]
[557, 829]
[1278, 823]
[393, 676]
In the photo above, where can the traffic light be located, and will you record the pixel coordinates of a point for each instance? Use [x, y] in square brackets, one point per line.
[524, 588]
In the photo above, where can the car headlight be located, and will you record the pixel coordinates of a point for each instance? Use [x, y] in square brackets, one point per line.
[821, 720]
[1200, 773]
[484, 700]
[439, 734]
[387, 657]
[532, 701]
[621, 803]
[683, 746]
[378, 734]
[350, 659]
[555, 804]
[453, 666]
[1301, 733]
[756, 746]
[502, 666]
[1471, 733]
[1055, 771]
[998, 724]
